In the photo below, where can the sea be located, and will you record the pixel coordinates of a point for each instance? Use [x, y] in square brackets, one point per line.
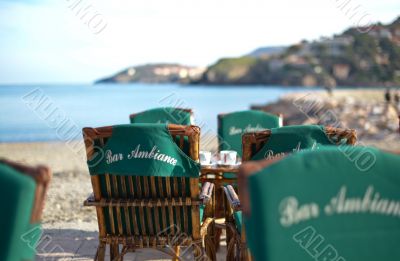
[30, 113]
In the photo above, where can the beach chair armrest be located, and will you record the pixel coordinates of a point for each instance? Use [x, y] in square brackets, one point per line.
[232, 197]
[89, 200]
[206, 192]
[204, 226]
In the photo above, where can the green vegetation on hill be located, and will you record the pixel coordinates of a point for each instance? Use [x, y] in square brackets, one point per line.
[230, 69]
[353, 58]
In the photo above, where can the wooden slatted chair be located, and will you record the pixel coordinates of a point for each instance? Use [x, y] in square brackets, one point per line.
[252, 144]
[170, 115]
[231, 127]
[24, 189]
[150, 211]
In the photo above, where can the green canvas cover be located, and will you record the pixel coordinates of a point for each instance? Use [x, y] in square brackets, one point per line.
[168, 115]
[232, 126]
[17, 197]
[238, 220]
[293, 138]
[337, 203]
[136, 146]
[145, 150]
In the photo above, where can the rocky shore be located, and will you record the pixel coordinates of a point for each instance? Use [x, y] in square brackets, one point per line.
[376, 121]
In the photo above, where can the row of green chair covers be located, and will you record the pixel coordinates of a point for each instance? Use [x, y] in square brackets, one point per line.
[231, 126]
[334, 203]
[18, 236]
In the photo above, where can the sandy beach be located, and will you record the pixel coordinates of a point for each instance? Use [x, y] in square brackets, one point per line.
[71, 229]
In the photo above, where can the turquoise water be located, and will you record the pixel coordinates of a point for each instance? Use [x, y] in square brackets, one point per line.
[24, 118]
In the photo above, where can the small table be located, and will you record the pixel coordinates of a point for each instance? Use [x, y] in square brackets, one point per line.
[216, 173]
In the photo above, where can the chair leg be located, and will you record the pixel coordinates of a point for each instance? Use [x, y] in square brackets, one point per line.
[217, 241]
[177, 250]
[219, 211]
[114, 252]
[197, 251]
[244, 253]
[236, 249]
[121, 255]
[123, 252]
[228, 212]
[230, 250]
[210, 248]
[244, 250]
[209, 242]
[101, 252]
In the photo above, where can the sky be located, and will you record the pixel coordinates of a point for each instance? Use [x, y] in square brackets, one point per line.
[79, 41]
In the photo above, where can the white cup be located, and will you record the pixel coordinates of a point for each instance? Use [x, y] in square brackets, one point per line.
[205, 157]
[228, 157]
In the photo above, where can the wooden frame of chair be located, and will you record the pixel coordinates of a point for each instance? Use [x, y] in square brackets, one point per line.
[219, 175]
[252, 142]
[42, 176]
[221, 115]
[132, 115]
[145, 200]
[220, 180]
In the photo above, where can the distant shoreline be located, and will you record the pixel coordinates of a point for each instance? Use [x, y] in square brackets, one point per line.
[192, 85]
[237, 85]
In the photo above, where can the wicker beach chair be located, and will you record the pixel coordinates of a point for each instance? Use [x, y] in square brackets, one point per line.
[160, 211]
[254, 142]
[23, 191]
[232, 126]
[168, 115]
[253, 146]
[337, 203]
